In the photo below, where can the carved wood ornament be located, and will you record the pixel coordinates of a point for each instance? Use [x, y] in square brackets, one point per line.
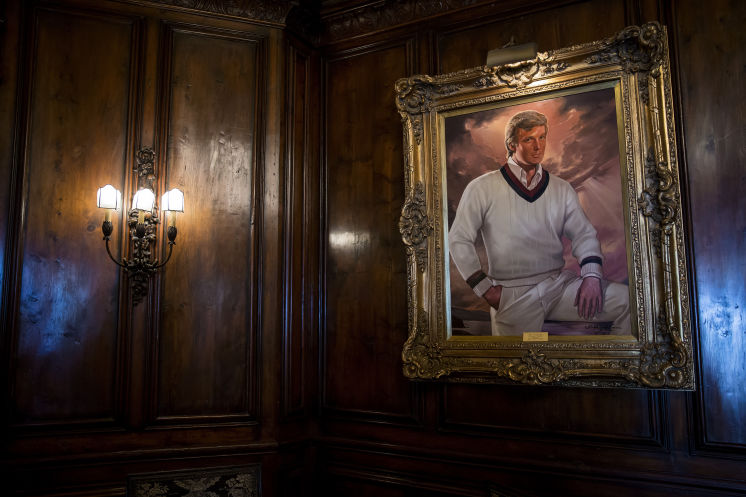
[387, 13]
[273, 11]
[141, 266]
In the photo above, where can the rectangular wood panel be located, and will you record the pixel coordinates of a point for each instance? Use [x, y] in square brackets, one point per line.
[207, 334]
[80, 86]
[629, 416]
[366, 281]
[713, 115]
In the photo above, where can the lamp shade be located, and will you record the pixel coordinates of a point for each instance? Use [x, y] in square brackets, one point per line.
[173, 200]
[109, 198]
[144, 200]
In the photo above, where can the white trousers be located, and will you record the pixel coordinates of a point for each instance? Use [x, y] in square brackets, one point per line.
[524, 308]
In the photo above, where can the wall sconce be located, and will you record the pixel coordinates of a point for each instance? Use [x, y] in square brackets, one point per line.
[143, 219]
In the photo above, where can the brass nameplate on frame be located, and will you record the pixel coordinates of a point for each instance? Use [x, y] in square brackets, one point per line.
[542, 220]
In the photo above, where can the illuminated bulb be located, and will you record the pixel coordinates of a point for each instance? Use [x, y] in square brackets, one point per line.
[173, 201]
[144, 200]
[109, 198]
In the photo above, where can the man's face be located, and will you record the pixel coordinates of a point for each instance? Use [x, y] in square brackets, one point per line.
[528, 148]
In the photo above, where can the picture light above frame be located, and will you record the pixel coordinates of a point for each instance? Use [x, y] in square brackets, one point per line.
[610, 148]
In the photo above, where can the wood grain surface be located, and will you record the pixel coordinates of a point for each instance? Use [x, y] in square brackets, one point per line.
[274, 335]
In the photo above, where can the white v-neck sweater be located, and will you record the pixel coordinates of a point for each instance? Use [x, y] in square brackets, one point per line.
[523, 238]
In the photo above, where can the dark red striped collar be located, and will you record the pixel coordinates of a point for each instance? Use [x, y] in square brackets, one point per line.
[522, 191]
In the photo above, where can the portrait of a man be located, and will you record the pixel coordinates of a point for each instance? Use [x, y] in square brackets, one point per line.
[519, 234]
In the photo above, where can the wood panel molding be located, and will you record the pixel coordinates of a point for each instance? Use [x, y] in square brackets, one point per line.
[173, 146]
[403, 482]
[374, 16]
[415, 418]
[453, 473]
[270, 11]
[703, 443]
[692, 87]
[376, 178]
[99, 155]
[369, 17]
[653, 413]
[298, 323]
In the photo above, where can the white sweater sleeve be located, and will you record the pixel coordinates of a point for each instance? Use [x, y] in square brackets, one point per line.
[585, 245]
[464, 230]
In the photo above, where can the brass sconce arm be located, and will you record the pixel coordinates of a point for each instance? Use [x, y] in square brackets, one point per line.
[143, 220]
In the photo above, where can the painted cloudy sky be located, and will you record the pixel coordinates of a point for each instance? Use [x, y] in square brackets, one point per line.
[582, 148]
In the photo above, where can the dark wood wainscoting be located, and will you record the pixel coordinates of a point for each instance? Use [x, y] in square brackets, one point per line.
[206, 367]
[381, 435]
[99, 389]
[274, 334]
[77, 127]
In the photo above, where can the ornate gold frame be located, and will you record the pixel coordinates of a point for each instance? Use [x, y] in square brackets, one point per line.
[661, 357]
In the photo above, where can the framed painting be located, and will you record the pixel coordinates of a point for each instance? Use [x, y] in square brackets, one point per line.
[543, 223]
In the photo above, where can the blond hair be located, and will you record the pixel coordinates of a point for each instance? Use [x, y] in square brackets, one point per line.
[526, 120]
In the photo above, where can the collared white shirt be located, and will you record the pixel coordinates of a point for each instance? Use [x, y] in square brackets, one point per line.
[520, 173]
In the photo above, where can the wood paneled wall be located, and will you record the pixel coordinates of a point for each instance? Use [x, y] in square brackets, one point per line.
[72, 103]
[384, 435]
[206, 363]
[365, 273]
[98, 388]
[274, 335]
[711, 65]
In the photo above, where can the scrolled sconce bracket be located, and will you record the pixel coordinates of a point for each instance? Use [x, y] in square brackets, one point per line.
[142, 233]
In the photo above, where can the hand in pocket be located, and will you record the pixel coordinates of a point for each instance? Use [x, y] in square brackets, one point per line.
[493, 295]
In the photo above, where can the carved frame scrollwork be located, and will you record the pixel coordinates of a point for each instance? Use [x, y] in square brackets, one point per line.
[659, 354]
[415, 226]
